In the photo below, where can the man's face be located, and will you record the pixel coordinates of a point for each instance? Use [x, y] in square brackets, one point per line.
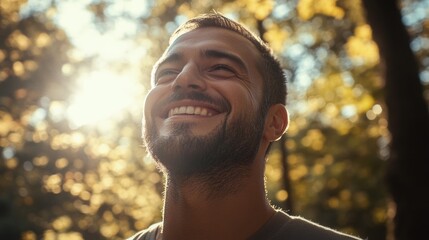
[202, 114]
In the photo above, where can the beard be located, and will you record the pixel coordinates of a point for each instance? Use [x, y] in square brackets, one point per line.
[217, 158]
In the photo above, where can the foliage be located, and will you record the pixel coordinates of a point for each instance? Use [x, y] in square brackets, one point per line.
[60, 180]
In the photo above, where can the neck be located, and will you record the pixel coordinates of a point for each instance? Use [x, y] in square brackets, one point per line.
[198, 209]
[211, 185]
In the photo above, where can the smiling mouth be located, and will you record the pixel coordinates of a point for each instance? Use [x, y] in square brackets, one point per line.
[191, 111]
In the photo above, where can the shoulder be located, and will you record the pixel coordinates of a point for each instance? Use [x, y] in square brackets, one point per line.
[300, 228]
[149, 233]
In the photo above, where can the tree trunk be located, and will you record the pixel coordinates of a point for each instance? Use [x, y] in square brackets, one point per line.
[407, 111]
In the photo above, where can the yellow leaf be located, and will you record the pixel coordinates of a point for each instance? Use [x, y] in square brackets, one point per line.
[276, 36]
[308, 8]
[18, 68]
[43, 40]
[62, 223]
[19, 40]
[361, 48]
[365, 103]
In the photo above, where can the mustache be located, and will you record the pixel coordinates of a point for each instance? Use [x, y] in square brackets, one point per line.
[198, 96]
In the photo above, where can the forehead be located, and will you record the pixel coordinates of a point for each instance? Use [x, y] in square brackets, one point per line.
[215, 38]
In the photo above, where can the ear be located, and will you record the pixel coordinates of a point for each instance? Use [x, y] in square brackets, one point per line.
[276, 122]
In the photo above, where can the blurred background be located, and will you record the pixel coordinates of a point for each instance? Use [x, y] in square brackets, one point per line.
[73, 76]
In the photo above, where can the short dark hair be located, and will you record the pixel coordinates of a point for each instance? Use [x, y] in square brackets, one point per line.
[275, 88]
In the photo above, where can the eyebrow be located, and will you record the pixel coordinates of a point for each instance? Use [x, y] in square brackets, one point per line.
[173, 57]
[210, 53]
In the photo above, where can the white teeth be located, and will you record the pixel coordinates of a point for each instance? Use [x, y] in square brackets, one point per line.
[197, 110]
[182, 110]
[189, 110]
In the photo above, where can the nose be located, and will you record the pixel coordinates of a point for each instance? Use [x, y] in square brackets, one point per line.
[190, 77]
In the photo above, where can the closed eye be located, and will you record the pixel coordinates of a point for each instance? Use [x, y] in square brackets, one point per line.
[222, 71]
[166, 75]
[167, 72]
[222, 67]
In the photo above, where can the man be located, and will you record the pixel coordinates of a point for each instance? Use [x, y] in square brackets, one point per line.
[216, 105]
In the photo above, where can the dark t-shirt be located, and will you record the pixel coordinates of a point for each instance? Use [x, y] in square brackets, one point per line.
[279, 226]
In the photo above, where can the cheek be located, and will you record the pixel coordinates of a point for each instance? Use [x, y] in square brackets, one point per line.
[150, 102]
[243, 98]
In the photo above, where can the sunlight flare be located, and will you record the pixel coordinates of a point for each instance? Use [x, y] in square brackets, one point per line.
[101, 95]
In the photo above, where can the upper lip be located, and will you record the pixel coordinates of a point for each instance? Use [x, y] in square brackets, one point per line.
[196, 106]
